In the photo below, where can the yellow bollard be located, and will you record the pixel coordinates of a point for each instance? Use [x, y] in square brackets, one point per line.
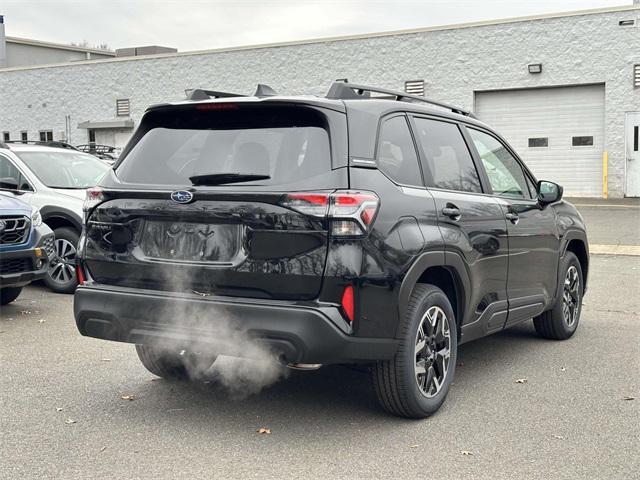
[605, 180]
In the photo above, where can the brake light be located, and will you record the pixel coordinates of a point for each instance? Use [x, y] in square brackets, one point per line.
[216, 106]
[351, 213]
[347, 302]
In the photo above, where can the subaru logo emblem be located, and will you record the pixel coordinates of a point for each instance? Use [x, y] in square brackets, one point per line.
[182, 196]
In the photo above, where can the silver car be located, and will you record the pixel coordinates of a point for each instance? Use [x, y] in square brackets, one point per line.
[53, 180]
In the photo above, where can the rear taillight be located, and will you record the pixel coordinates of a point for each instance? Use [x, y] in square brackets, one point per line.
[94, 197]
[351, 213]
[347, 303]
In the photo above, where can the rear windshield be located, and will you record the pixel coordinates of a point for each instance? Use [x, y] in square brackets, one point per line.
[287, 144]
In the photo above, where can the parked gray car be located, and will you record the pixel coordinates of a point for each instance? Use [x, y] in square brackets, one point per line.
[53, 180]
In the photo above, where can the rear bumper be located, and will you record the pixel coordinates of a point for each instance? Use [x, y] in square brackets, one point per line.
[297, 333]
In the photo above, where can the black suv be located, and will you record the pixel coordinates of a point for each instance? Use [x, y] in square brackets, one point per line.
[369, 226]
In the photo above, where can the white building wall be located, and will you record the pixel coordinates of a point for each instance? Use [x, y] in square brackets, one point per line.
[455, 62]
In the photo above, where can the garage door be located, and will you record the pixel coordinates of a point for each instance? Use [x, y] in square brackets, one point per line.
[559, 132]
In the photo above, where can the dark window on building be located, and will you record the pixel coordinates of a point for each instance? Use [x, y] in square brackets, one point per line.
[635, 138]
[24, 136]
[538, 142]
[46, 136]
[582, 141]
[636, 76]
[414, 87]
[504, 172]
[397, 154]
[6, 136]
[448, 163]
[92, 136]
[122, 107]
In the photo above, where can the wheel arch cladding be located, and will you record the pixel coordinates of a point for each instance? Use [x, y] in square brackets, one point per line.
[579, 249]
[59, 219]
[430, 268]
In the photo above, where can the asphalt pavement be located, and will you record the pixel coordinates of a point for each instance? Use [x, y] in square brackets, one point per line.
[520, 407]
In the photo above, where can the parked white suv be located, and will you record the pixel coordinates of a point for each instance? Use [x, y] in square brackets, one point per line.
[53, 180]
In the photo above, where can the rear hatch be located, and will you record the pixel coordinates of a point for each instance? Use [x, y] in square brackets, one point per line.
[206, 198]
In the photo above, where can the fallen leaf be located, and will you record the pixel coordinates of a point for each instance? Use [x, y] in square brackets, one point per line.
[521, 380]
[563, 369]
[558, 437]
[128, 397]
[103, 449]
[266, 431]
[466, 453]
[69, 421]
[414, 446]
[202, 294]
[105, 359]
[25, 312]
[628, 397]
[58, 409]
[42, 320]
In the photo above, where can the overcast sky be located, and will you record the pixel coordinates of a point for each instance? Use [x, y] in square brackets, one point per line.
[200, 24]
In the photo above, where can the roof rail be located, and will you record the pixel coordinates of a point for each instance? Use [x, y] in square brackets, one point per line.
[44, 143]
[350, 91]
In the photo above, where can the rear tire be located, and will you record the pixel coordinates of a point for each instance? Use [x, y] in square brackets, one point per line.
[561, 321]
[9, 294]
[415, 383]
[171, 365]
[61, 277]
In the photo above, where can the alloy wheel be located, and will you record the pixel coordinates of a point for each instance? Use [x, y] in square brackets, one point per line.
[432, 351]
[63, 267]
[571, 296]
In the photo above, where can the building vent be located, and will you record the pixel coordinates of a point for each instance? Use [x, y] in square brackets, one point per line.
[123, 108]
[636, 76]
[627, 23]
[414, 87]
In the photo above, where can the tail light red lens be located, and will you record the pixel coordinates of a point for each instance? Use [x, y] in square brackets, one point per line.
[351, 212]
[348, 303]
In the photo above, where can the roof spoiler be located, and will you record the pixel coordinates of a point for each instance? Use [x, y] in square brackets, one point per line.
[201, 94]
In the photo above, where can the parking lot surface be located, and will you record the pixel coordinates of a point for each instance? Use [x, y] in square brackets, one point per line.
[520, 406]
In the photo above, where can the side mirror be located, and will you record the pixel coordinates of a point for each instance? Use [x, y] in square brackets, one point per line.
[9, 183]
[548, 192]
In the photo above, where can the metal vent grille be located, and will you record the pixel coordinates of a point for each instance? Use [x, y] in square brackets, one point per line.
[636, 76]
[123, 108]
[414, 87]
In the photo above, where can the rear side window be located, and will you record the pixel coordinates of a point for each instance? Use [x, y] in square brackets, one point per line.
[447, 163]
[397, 156]
[286, 143]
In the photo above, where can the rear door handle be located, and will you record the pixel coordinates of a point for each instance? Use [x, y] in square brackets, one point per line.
[452, 212]
[512, 217]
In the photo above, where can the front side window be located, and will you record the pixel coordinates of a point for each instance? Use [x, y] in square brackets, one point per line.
[61, 169]
[448, 163]
[505, 173]
[397, 156]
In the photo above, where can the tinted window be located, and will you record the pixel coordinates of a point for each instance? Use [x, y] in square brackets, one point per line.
[505, 173]
[582, 141]
[287, 144]
[448, 162]
[397, 154]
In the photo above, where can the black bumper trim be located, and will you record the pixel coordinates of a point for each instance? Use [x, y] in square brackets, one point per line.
[298, 333]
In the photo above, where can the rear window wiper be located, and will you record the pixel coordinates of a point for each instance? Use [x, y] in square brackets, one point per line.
[222, 178]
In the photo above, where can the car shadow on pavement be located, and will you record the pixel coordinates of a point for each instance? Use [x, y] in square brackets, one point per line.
[341, 392]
